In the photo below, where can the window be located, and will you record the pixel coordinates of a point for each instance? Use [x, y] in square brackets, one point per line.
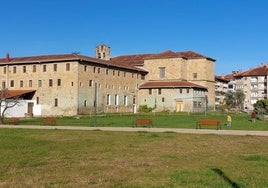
[21, 83]
[5, 70]
[24, 69]
[30, 83]
[159, 91]
[44, 68]
[162, 72]
[94, 69]
[37, 100]
[11, 83]
[187, 90]
[150, 91]
[118, 73]
[125, 100]
[56, 102]
[90, 84]
[98, 70]
[85, 68]
[39, 83]
[180, 90]
[107, 71]
[68, 67]
[59, 82]
[113, 72]
[34, 68]
[143, 77]
[108, 102]
[195, 75]
[116, 101]
[85, 103]
[3, 84]
[14, 70]
[50, 82]
[163, 99]
[55, 67]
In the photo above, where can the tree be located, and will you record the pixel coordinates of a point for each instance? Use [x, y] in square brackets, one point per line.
[235, 99]
[239, 96]
[6, 101]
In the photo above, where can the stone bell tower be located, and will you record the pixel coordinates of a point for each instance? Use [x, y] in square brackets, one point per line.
[102, 52]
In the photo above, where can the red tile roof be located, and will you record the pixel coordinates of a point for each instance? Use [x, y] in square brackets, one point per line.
[259, 71]
[138, 59]
[64, 57]
[14, 93]
[170, 84]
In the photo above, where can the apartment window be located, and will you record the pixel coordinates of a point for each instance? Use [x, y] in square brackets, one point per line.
[56, 102]
[11, 83]
[44, 68]
[3, 84]
[39, 83]
[14, 70]
[159, 91]
[50, 82]
[30, 83]
[24, 69]
[90, 83]
[68, 67]
[59, 82]
[5, 70]
[162, 72]
[108, 102]
[116, 99]
[195, 75]
[37, 100]
[34, 68]
[21, 83]
[150, 91]
[55, 67]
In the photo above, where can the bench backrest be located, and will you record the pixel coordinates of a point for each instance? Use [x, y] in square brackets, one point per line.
[209, 122]
[144, 121]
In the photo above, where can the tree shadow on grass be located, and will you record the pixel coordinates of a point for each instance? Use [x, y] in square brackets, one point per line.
[225, 178]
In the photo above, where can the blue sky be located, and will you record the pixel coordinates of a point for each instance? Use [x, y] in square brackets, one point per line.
[234, 32]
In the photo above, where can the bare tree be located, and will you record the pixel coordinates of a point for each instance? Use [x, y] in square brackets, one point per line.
[6, 101]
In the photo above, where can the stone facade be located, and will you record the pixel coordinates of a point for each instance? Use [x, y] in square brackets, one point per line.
[65, 85]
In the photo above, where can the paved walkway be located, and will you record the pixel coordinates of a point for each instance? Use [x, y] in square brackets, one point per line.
[130, 129]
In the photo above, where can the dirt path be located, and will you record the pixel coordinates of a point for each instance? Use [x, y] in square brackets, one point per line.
[130, 129]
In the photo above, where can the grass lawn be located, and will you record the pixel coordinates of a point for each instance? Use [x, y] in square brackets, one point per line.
[62, 158]
[240, 121]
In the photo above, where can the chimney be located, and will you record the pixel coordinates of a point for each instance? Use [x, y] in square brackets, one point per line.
[7, 57]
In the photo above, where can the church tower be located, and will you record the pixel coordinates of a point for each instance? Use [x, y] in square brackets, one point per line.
[102, 52]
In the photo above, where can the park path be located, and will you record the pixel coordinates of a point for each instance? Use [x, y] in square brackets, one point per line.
[134, 129]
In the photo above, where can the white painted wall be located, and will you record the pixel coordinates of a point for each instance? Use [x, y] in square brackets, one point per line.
[21, 109]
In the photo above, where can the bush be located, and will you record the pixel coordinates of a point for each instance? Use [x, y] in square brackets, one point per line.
[145, 108]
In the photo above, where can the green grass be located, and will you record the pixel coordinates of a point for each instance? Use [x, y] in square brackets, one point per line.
[62, 158]
[241, 121]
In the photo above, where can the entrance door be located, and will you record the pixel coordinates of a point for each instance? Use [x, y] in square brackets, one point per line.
[179, 106]
[30, 108]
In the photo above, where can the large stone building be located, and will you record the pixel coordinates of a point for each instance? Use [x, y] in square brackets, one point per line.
[73, 84]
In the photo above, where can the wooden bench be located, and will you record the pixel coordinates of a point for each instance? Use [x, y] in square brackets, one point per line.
[143, 122]
[50, 120]
[13, 121]
[208, 122]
